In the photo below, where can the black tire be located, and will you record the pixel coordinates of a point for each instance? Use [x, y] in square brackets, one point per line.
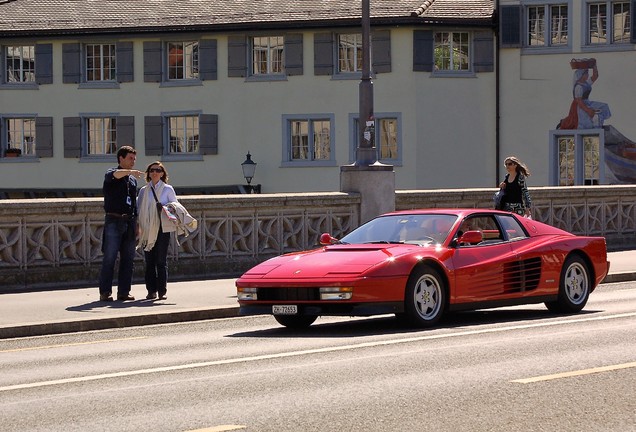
[575, 285]
[424, 298]
[295, 321]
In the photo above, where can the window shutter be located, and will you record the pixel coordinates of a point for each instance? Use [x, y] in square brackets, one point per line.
[72, 137]
[124, 52]
[632, 30]
[71, 63]
[207, 59]
[381, 51]
[125, 131]
[44, 136]
[294, 54]
[209, 134]
[44, 63]
[484, 51]
[510, 26]
[153, 130]
[323, 54]
[152, 62]
[237, 56]
[423, 51]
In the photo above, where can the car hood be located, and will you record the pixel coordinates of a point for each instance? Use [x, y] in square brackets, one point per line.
[336, 260]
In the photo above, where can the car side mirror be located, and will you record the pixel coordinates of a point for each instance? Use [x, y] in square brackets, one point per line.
[471, 237]
[326, 239]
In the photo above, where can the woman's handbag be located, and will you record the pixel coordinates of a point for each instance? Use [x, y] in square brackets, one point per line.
[158, 204]
[498, 199]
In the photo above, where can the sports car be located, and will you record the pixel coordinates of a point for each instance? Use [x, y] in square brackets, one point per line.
[421, 264]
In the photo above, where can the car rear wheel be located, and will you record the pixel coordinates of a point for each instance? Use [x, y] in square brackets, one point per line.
[295, 321]
[575, 286]
[425, 298]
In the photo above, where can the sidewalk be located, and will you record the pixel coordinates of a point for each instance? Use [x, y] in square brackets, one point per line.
[65, 311]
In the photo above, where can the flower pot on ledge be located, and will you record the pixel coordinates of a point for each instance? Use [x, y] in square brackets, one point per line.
[12, 152]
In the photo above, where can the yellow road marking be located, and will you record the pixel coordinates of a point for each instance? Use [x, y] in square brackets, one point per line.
[575, 373]
[70, 345]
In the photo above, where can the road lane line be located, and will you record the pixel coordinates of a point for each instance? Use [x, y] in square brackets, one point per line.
[220, 428]
[71, 344]
[305, 352]
[575, 373]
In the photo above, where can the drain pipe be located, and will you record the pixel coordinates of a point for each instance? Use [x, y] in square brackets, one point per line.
[497, 111]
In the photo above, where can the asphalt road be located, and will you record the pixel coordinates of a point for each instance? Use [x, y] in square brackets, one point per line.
[518, 368]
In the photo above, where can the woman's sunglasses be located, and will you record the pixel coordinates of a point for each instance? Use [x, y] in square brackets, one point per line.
[157, 170]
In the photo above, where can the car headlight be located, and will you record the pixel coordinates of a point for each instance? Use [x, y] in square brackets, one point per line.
[247, 293]
[336, 293]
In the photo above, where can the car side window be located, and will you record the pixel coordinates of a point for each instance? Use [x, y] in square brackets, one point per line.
[486, 225]
[512, 228]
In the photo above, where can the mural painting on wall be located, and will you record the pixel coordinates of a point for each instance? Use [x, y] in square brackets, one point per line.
[619, 151]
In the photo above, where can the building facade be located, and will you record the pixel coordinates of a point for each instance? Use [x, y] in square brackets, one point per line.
[458, 85]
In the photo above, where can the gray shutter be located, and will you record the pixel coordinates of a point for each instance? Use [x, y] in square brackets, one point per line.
[423, 51]
[237, 56]
[152, 62]
[323, 54]
[381, 51]
[632, 30]
[207, 59]
[125, 131]
[44, 136]
[71, 73]
[294, 54]
[125, 65]
[72, 137]
[510, 26]
[209, 134]
[484, 51]
[44, 63]
[153, 131]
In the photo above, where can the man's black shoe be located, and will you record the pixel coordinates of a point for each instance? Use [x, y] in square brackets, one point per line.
[105, 297]
[126, 297]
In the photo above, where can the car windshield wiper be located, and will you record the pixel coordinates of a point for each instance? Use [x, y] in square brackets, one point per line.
[384, 242]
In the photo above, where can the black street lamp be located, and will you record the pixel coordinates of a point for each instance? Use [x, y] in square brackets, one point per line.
[249, 168]
[366, 152]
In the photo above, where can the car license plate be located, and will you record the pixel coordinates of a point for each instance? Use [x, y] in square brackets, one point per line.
[284, 309]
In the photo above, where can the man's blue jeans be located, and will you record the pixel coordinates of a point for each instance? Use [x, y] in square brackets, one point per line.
[118, 238]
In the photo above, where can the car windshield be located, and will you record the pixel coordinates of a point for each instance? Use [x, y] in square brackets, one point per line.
[415, 228]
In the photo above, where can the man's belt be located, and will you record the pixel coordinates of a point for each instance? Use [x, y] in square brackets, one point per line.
[124, 216]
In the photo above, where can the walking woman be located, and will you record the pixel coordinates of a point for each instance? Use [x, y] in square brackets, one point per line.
[155, 238]
[516, 197]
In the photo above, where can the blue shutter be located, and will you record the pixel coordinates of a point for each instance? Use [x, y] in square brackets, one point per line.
[125, 67]
[44, 63]
[323, 54]
[207, 59]
[72, 137]
[44, 136]
[510, 26]
[125, 131]
[152, 62]
[381, 51]
[237, 56]
[71, 73]
[423, 51]
[209, 134]
[153, 131]
[294, 54]
[484, 58]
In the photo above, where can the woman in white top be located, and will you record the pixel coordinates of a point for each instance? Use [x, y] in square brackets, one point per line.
[155, 238]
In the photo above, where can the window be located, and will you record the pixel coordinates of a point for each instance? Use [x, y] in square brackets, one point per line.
[20, 134]
[609, 22]
[349, 53]
[19, 63]
[578, 159]
[308, 139]
[184, 134]
[267, 55]
[101, 135]
[452, 51]
[183, 60]
[546, 25]
[100, 62]
[387, 137]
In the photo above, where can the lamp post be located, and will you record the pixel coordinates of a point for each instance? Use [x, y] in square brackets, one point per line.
[249, 168]
[366, 152]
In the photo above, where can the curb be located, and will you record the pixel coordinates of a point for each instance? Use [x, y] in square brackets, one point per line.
[619, 277]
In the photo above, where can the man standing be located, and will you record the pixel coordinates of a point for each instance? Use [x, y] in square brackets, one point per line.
[120, 225]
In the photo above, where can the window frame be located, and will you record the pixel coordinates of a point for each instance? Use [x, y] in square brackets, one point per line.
[588, 45]
[86, 142]
[579, 163]
[269, 74]
[460, 72]
[287, 120]
[196, 50]
[4, 56]
[549, 46]
[167, 144]
[357, 72]
[354, 136]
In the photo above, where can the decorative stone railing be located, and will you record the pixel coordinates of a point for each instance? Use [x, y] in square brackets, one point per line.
[56, 243]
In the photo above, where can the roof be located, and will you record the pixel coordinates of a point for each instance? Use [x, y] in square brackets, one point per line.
[101, 16]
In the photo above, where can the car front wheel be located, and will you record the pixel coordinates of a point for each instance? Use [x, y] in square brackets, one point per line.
[295, 321]
[575, 286]
[425, 298]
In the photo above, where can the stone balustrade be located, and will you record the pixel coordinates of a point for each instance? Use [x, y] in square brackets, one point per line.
[56, 242]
